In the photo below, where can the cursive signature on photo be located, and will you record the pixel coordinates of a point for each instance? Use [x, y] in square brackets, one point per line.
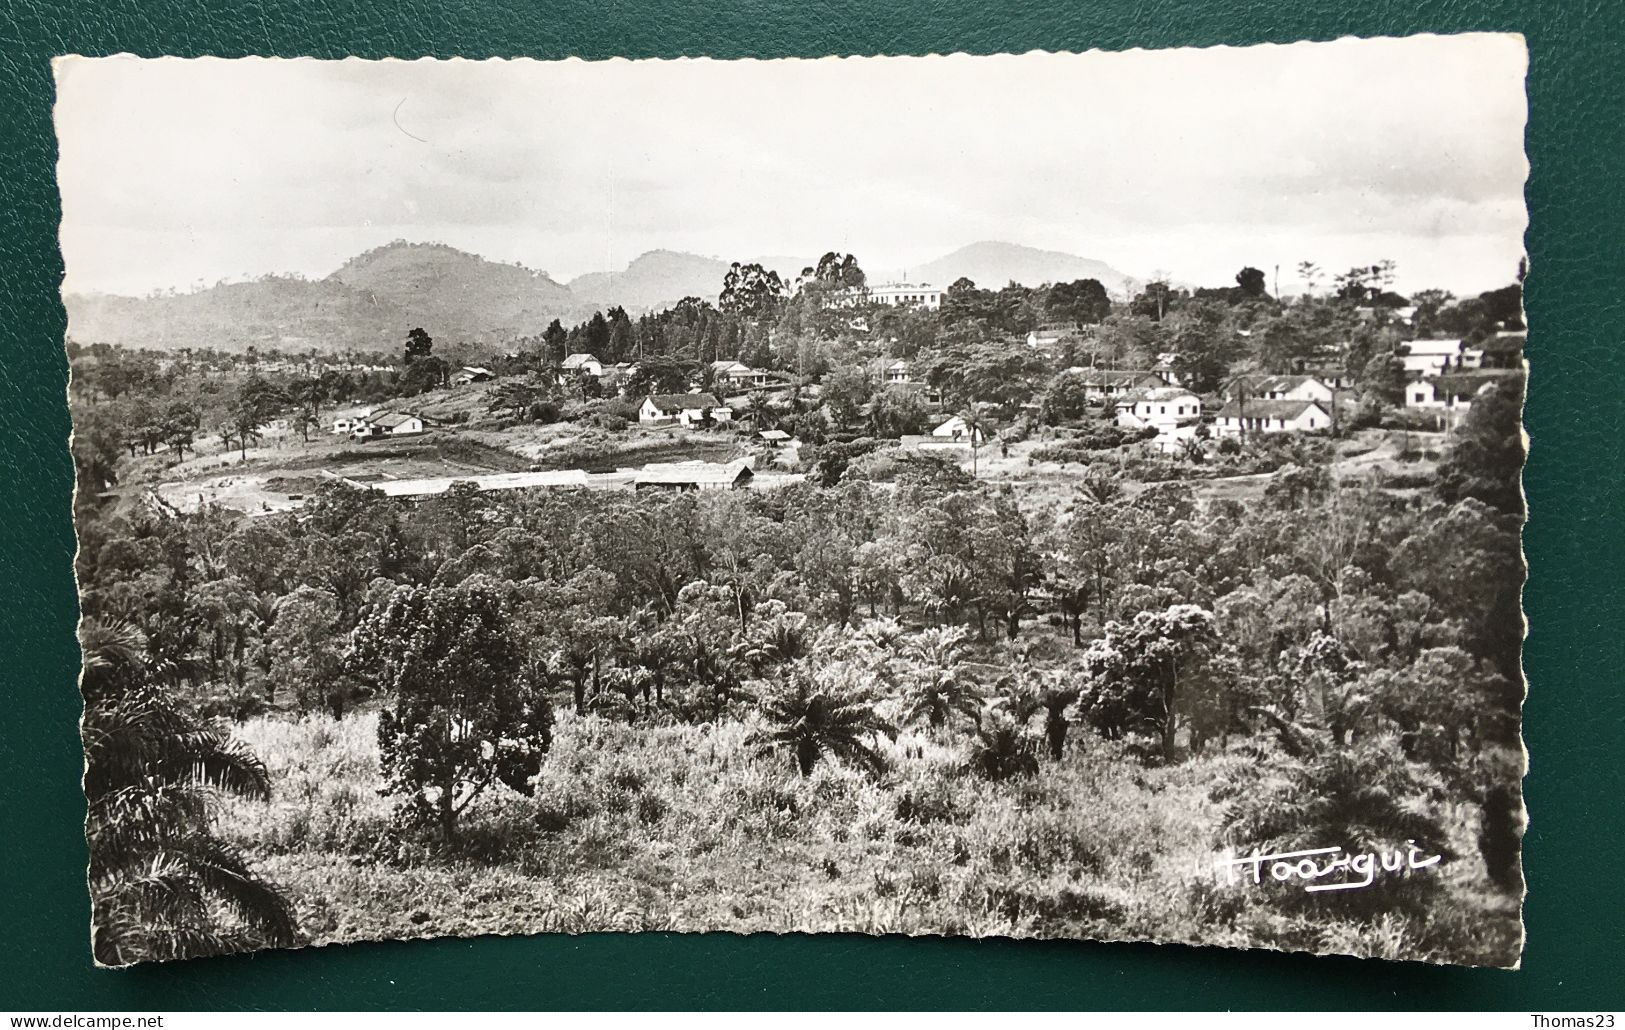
[1358, 869]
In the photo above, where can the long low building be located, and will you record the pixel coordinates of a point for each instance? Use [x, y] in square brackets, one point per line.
[1271, 416]
[555, 478]
[694, 475]
[682, 475]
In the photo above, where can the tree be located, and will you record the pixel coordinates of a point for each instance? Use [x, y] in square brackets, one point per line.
[308, 396]
[751, 291]
[1310, 274]
[1065, 399]
[809, 718]
[256, 404]
[661, 374]
[305, 648]
[1200, 333]
[975, 425]
[554, 339]
[896, 412]
[1145, 675]
[1083, 300]
[419, 344]
[1253, 283]
[514, 396]
[180, 425]
[162, 885]
[1001, 750]
[465, 711]
[939, 685]
[1154, 301]
[845, 392]
[1486, 454]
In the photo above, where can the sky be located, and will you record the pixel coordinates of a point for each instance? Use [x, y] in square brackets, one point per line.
[1187, 162]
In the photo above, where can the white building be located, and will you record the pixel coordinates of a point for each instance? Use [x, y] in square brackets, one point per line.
[1251, 415]
[694, 475]
[1454, 392]
[1164, 407]
[687, 409]
[1430, 357]
[956, 428]
[1279, 388]
[387, 423]
[898, 372]
[906, 295]
[737, 374]
[577, 363]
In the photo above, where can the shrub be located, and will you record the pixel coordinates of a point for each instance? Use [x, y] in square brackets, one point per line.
[1001, 750]
[545, 412]
[465, 713]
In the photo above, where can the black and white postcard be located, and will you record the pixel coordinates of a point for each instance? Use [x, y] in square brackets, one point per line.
[1044, 495]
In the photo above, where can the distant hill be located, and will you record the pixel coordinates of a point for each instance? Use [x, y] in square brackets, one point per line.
[368, 304]
[655, 280]
[992, 265]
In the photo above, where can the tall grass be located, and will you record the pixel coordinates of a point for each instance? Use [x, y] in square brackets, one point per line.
[683, 828]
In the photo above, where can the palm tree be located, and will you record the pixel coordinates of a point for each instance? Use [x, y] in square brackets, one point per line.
[1030, 690]
[761, 412]
[1100, 488]
[974, 426]
[810, 720]
[1000, 750]
[939, 685]
[162, 885]
[781, 641]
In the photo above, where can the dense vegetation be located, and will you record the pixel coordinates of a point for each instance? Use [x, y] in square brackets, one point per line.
[1330, 658]
[894, 697]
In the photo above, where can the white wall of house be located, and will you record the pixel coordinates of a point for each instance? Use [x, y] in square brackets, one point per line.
[1164, 413]
[1311, 419]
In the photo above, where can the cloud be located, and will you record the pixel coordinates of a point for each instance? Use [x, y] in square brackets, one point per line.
[1204, 157]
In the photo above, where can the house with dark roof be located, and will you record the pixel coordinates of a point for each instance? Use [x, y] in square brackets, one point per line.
[1278, 388]
[687, 409]
[1246, 415]
[387, 423]
[575, 364]
[737, 374]
[1455, 391]
[1101, 384]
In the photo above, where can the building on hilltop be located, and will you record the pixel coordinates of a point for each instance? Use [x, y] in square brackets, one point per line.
[906, 295]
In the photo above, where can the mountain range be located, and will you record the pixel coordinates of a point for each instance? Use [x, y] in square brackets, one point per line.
[370, 301]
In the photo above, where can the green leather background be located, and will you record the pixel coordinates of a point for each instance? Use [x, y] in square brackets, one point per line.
[1575, 720]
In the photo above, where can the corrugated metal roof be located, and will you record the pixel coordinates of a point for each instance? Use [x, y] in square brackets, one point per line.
[699, 473]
